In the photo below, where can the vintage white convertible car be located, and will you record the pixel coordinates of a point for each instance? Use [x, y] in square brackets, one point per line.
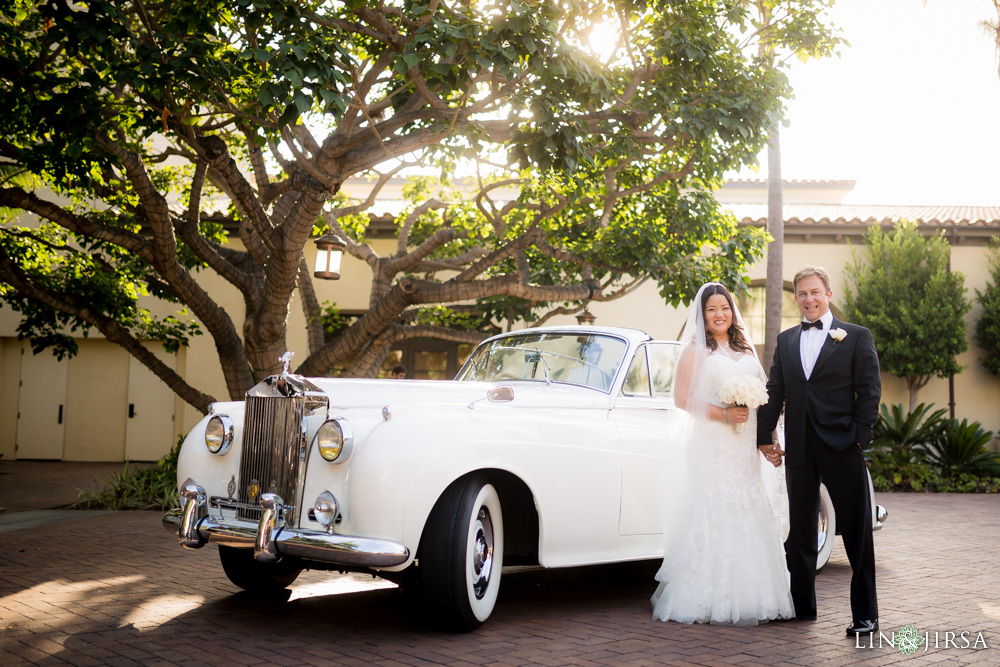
[550, 448]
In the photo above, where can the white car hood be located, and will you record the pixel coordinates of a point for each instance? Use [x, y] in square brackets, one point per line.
[350, 393]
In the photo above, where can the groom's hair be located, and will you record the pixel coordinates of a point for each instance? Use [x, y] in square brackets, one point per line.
[808, 271]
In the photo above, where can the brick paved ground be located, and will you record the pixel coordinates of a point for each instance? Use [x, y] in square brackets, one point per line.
[116, 590]
[38, 485]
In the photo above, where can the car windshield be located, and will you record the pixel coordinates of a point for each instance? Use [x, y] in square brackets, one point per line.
[588, 359]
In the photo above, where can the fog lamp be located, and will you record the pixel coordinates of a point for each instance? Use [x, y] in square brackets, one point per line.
[325, 509]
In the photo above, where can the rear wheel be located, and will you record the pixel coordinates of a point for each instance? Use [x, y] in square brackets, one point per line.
[461, 555]
[255, 577]
[826, 529]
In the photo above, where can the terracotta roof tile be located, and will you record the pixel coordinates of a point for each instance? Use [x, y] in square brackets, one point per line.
[865, 214]
[794, 182]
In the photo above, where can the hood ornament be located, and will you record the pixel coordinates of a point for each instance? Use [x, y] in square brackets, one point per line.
[286, 358]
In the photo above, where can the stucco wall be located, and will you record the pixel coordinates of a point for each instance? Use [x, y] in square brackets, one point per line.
[977, 393]
[10, 373]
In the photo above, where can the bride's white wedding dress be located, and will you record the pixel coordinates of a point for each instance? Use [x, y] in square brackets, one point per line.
[724, 561]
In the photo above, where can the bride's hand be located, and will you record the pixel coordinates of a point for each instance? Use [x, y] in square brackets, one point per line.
[772, 453]
[737, 414]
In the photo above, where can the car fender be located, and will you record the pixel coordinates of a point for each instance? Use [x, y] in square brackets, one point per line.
[211, 471]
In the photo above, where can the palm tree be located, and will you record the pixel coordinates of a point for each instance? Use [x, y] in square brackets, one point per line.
[774, 283]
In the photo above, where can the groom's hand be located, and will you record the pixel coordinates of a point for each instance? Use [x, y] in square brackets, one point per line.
[772, 453]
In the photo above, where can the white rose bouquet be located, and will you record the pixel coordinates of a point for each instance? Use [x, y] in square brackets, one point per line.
[746, 390]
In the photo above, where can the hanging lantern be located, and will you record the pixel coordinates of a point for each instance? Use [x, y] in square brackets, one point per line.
[329, 251]
[585, 318]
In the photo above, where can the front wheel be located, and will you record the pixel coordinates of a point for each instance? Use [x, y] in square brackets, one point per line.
[461, 555]
[254, 577]
[826, 529]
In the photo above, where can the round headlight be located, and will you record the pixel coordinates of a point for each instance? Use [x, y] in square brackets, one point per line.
[333, 439]
[219, 434]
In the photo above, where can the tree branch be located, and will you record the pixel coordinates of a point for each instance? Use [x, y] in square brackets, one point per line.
[164, 261]
[410, 261]
[110, 328]
[310, 307]
[404, 230]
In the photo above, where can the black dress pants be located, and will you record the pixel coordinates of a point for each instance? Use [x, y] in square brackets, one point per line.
[845, 476]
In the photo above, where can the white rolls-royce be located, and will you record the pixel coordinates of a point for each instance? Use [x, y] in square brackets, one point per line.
[551, 448]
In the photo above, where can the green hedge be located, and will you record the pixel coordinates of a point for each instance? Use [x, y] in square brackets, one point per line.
[923, 451]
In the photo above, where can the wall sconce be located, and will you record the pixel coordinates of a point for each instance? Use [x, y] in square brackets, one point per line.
[585, 318]
[329, 251]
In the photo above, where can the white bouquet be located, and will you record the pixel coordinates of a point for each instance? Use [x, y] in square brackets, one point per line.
[746, 390]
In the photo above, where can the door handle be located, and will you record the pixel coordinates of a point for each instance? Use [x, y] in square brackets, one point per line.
[60, 414]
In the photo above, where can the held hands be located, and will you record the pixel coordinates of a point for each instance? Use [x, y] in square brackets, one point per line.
[772, 453]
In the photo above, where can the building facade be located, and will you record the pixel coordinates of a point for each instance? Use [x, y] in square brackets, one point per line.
[102, 405]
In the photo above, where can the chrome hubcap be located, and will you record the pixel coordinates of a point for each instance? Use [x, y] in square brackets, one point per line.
[823, 527]
[482, 553]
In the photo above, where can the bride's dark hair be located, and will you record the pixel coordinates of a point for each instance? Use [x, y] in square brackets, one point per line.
[737, 340]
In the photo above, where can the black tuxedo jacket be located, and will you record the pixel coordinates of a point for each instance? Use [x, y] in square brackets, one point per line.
[840, 398]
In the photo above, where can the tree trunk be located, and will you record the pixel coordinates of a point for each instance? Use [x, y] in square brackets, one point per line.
[774, 284]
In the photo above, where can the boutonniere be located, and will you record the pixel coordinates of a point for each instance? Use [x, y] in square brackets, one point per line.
[838, 334]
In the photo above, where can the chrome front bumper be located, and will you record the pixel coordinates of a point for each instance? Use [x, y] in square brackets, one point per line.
[271, 540]
[880, 515]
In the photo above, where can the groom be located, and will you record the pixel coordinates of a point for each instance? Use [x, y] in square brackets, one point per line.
[825, 373]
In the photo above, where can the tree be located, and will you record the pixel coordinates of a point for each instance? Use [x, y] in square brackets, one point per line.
[167, 127]
[988, 325]
[805, 20]
[901, 287]
[774, 284]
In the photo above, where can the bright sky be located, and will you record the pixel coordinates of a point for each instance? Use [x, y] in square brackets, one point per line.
[910, 110]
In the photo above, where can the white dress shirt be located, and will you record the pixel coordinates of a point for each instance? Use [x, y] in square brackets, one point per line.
[811, 342]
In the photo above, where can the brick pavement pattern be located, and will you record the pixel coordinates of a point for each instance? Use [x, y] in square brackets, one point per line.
[38, 485]
[117, 590]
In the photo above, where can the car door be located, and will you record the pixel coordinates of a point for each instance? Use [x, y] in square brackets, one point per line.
[650, 430]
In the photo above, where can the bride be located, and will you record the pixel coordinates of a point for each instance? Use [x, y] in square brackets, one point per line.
[723, 559]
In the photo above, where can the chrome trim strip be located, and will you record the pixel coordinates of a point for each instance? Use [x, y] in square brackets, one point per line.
[309, 544]
[220, 503]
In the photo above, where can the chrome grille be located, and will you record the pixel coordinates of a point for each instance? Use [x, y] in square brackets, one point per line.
[273, 441]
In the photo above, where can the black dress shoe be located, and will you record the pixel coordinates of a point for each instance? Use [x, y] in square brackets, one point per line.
[863, 627]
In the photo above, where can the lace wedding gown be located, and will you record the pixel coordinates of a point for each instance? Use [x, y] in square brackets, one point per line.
[724, 561]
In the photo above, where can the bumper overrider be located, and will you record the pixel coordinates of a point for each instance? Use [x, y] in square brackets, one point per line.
[271, 539]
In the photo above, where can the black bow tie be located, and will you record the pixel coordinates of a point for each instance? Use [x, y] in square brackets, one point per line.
[809, 325]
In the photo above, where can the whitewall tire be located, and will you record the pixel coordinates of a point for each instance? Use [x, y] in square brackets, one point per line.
[461, 555]
[826, 529]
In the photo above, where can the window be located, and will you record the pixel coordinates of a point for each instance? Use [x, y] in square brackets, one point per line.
[662, 364]
[752, 309]
[588, 360]
[637, 379]
[427, 359]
